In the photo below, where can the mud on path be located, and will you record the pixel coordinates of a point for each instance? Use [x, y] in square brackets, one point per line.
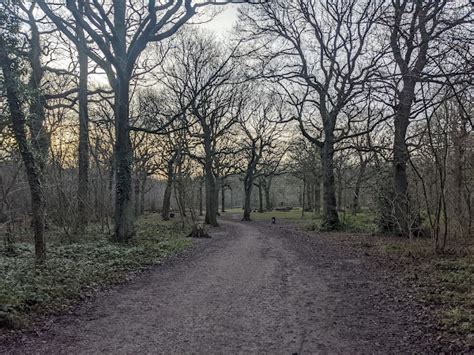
[253, 287]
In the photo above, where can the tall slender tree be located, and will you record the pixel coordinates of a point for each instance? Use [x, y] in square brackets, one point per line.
[11, 62]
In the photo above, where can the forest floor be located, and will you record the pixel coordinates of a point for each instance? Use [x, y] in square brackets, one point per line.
[255, 287]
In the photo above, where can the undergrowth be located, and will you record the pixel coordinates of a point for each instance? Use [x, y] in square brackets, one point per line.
[445, 282]
[457, 292]
[75, 269]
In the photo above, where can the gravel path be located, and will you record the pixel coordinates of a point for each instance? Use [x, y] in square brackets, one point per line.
[253, 287]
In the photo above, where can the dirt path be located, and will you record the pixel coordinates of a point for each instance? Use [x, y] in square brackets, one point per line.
[251, 288]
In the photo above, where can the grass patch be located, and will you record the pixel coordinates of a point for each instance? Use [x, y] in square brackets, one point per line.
[445, 281]
[454, 283]
[76, 269]
[294, 214]
[362, 222]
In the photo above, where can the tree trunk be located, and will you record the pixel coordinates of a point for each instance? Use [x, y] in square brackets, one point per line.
[32, 167]
[222, 196]
[216, 195]
[142, 193]
[165, 210]
[136, 195]
[400, 161]
[180, 189]
[260, 198]
[355, 200]
[39, 137]
[331, 218]
[248, 185]
[83, 149]
[124, 218]
[200, 199]
[211, 191]
[247, 202]
[461, 199]
[360, 176]
[317, 196]
[268, 201]
[339, 189]
[182, 199]
[309, 196]
[178, 197]
[212, 197]
[110, 197]
[303, 197]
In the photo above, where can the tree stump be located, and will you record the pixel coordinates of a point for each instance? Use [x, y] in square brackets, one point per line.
[198, 231]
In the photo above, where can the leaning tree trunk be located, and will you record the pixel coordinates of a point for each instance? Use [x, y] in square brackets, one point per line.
[37, 116]
[331, 218]
[83, 149]
[32, 167]
[124, 217]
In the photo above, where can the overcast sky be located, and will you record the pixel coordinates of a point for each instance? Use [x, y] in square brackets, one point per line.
[225, 20]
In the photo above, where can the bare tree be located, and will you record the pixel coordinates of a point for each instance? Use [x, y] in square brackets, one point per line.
[119, 32]
[417, 32]
[201, 74]
[261, 132]
[83, 147]
[319, 49]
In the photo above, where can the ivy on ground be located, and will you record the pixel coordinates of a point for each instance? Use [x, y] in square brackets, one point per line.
[76, 269]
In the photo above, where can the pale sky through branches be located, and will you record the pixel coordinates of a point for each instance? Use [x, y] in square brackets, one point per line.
[224, 21]
[221, 25]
